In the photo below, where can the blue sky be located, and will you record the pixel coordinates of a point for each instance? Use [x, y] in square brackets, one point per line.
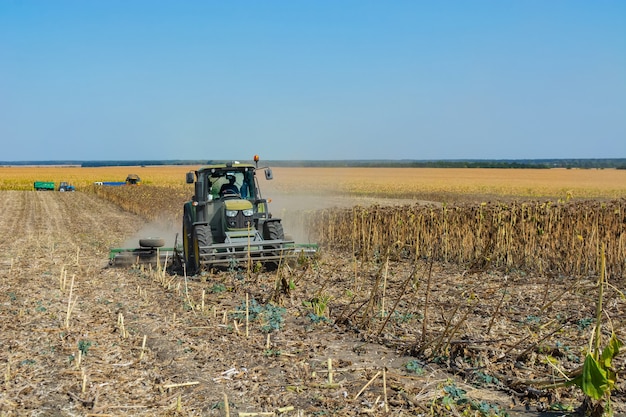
[312, 79]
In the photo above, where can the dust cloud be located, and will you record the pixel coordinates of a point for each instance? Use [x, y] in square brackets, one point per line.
[295, 209]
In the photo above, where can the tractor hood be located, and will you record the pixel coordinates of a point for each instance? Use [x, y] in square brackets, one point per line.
[237, 204]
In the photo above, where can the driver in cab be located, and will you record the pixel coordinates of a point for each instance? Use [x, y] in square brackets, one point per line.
[229, 187]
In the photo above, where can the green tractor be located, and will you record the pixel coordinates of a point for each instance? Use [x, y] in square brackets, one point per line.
[228, 222]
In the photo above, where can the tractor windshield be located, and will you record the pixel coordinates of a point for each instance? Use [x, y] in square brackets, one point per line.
[238, 182]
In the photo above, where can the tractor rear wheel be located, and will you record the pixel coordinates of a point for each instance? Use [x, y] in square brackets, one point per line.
[189, 252]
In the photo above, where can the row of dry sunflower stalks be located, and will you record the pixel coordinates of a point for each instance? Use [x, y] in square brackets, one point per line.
[154, 203]
[542, 237]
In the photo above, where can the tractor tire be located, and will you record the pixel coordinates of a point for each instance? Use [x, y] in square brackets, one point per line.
[273, 230]
[202, 237]
[152, 242]
[189, 253]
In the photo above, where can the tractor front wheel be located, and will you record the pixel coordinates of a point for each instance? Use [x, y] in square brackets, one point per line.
[273, 230]
[202, 238]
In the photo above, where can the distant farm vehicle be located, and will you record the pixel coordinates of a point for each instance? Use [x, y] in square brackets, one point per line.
[227, 222]
[131, 179]
[66, 186]
[44, 186]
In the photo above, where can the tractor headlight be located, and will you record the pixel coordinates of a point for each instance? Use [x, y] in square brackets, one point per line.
[248, 212]
[231, 213]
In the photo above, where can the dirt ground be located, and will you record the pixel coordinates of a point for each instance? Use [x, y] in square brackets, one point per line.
[80, 338]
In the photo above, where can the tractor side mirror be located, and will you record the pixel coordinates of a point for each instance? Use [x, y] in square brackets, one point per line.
[268, 174]
[190, 178]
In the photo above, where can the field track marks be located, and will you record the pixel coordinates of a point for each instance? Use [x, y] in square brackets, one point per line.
[17, 224]
[54, 227]
[54, 257]
[14, 212]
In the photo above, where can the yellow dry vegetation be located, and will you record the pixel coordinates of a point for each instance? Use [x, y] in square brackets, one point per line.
[22, 178]
[414, 182]
[372, 182]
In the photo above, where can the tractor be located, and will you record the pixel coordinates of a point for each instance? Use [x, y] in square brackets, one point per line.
[66, 186]
[228, 221]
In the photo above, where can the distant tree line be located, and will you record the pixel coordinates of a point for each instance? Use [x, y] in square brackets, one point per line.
[619, 163]
[597, 163]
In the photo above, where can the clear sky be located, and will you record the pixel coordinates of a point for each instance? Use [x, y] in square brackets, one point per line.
[312, 79]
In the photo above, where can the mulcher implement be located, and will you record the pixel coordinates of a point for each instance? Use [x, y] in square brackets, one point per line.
[150, 251]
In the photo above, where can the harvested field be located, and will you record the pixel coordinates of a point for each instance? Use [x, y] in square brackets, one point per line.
[371, 326]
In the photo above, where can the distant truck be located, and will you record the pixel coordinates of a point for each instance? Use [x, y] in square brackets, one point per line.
[44, 186]
[66, 186]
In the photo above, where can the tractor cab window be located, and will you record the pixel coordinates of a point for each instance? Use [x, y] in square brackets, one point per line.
[230, 183]
[247, 187]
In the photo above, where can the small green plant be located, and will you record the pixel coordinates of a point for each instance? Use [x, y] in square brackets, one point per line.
[233, 265]
[217, 288]
[221, 405]
[561, 407]
[270, 316]
[597, 379]
[453, 396]
[455, 399]
[532, 320]
[317, 319]
[415, 367]
[319, 305]
[485, 379]
[402, 318]
[83, 346]
[583, 324]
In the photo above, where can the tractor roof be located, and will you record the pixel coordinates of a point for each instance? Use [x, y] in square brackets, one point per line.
[227, 166]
